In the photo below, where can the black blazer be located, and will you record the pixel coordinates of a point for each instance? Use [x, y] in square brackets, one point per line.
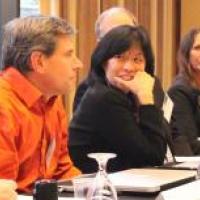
[185, 123]
[107, 120]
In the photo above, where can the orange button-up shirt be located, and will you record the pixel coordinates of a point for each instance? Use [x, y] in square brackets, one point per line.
[33, 139]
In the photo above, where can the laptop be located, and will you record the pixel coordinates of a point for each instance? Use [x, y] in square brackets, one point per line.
[150, 180]
[142, 180]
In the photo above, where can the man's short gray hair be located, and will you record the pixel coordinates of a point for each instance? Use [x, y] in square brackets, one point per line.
[22, 36]
[109, 12]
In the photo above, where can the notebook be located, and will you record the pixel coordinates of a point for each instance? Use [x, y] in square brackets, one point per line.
[143, 180]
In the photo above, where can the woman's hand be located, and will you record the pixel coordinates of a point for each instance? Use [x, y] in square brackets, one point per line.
[7, 190]
[141, 85]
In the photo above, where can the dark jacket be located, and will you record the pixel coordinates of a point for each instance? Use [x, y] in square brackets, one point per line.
[185, 123]
[107, 120]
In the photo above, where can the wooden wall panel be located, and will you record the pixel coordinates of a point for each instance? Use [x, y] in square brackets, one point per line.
[132, 5]
[105, 4]
[50, 7]
[168, 49]
[144, 13]
[159, 43]
[88, 12]
[190, 15]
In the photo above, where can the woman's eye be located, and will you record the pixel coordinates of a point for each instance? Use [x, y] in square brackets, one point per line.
[118, 56]
[139, 59]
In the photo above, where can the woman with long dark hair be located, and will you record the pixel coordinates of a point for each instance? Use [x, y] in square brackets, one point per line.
[118, 112]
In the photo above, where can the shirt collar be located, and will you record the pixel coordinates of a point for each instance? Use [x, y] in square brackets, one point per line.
[22, 86]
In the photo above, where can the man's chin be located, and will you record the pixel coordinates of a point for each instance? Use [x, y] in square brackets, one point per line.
[67, 90]
[71, 88]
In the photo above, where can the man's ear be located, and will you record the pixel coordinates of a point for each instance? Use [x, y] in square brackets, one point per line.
[36, 61]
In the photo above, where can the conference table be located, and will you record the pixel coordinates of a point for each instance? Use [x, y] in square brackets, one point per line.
[188, 191]
[69, 196]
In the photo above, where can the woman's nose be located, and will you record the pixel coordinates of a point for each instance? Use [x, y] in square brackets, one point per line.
[129, 66]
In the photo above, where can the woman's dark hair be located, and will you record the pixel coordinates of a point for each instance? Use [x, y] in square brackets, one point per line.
[184, 53]
[118, 41]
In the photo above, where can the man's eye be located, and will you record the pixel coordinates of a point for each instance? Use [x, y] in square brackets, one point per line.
[69, 53]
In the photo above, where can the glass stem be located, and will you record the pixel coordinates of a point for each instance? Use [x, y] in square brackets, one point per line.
[102, 165]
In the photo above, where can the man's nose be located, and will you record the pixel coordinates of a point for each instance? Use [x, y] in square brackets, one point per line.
[78, 64]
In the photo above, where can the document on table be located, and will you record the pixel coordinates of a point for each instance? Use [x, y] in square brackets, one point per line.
[167, 108]
[187, 158]
[187, 191]
[23, 197]
[190, 162]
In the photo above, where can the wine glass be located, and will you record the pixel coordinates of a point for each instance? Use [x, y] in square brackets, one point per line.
[102, 188]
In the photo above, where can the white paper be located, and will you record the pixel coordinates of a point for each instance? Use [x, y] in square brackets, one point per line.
[187, 158]
[168, 106]
[189, 191]
[22, 197]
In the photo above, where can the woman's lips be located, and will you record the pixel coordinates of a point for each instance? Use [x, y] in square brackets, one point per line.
[126, 77]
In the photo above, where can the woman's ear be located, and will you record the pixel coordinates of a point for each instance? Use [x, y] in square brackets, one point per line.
[36, 61]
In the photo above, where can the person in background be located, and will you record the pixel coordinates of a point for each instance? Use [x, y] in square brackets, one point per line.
[7, 190]
[109, 19]
[185, 93]
[39, 65]
[117, 112]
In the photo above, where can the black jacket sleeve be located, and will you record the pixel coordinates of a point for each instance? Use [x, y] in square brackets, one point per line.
[139, 138]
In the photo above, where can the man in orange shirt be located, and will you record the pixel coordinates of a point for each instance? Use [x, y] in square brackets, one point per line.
[39, 65]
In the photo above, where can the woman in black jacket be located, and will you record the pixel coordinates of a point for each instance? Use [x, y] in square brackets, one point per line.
[118, 113]
[185, 93]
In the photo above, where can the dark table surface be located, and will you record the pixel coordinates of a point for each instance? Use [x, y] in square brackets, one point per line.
[124, 196]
